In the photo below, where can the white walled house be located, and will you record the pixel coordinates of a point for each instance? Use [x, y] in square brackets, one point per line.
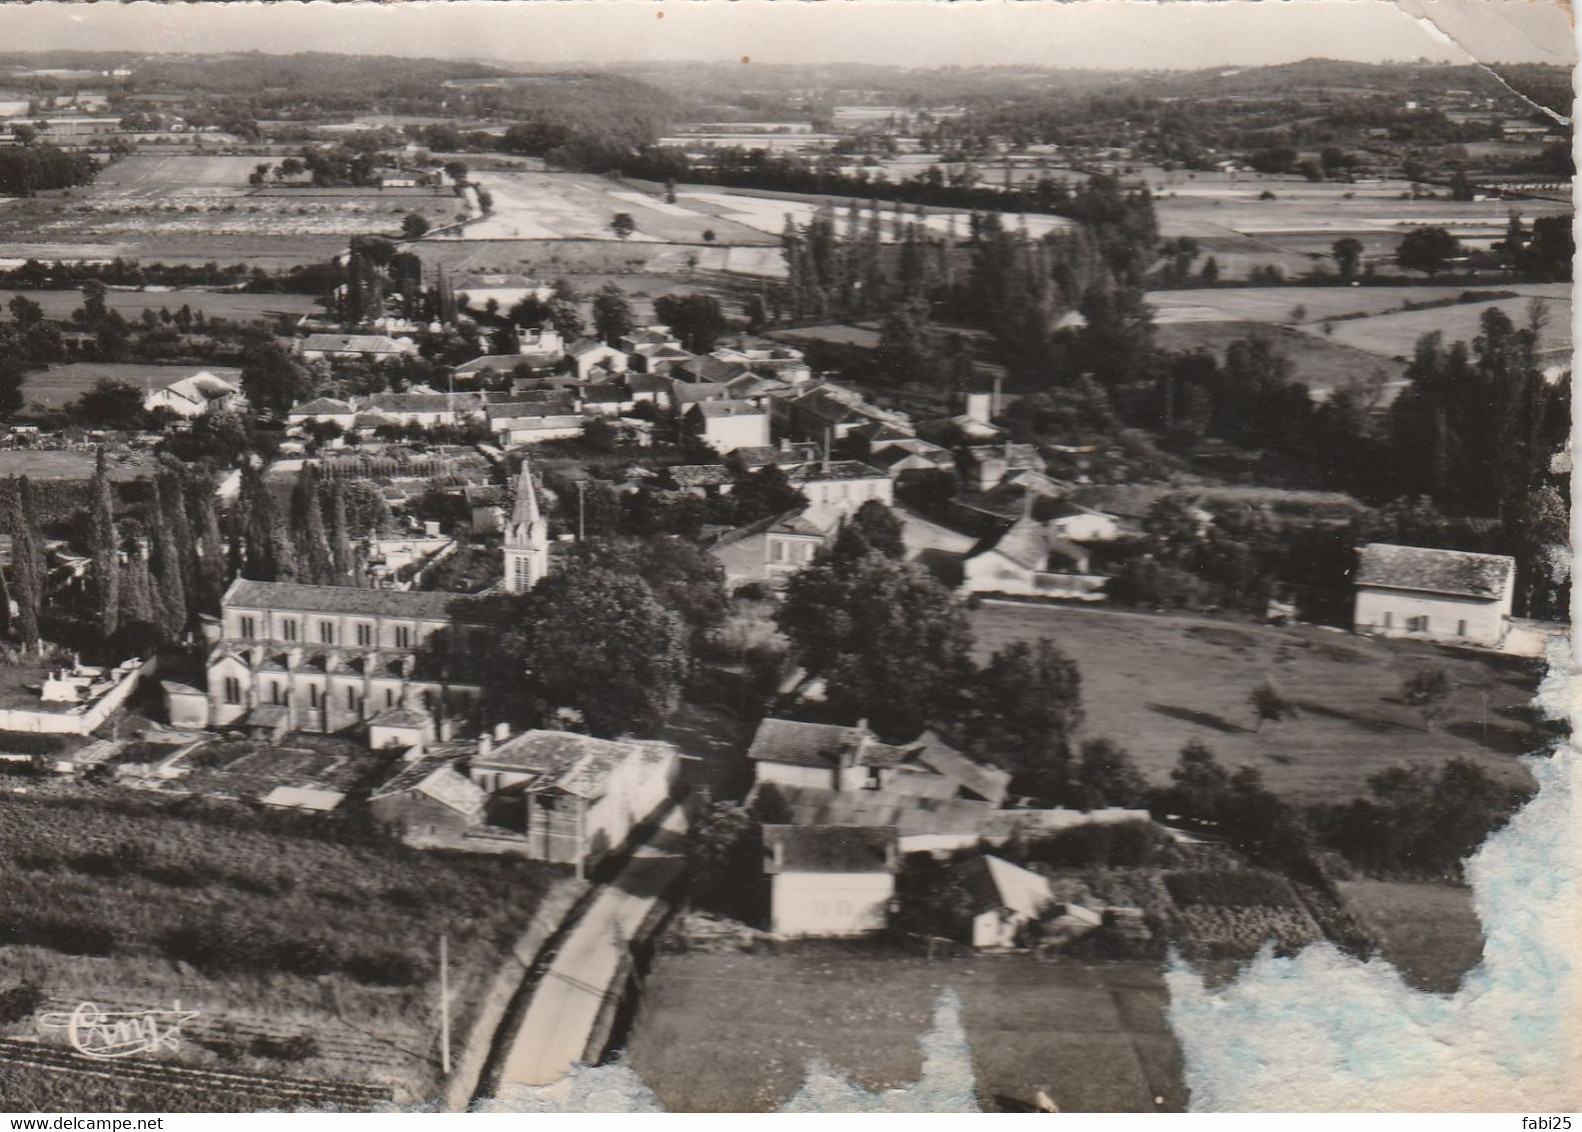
[1030, 560]
[371, 347]
[575, 798]
[1005, 898]
[769, 550]
[795, 756]
[323, 410]
[837, 488]
[202, 392]
[1440, 595]
[588, 354]
[1081, 524]
[726, 425]
[830, 880]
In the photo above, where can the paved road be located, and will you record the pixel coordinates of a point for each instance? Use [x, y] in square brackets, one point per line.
[559, 1019]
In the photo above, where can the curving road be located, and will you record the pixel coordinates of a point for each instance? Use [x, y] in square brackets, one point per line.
[559, 1020]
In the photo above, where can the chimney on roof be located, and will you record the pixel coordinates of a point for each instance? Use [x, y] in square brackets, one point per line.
[502, 732]
[485, 745]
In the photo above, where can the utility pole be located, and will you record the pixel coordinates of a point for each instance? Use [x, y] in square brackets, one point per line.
[582, 510]
[444, 1004]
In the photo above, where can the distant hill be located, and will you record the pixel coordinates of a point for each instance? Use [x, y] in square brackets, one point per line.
[249, 72]
[1545, 84]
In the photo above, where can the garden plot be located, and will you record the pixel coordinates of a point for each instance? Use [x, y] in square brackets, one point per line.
[265, 932]
[734, 1032]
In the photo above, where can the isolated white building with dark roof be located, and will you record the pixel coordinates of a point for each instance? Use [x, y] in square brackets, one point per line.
[1440, 595]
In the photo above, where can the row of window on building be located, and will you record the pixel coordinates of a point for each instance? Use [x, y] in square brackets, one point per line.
[280, 695]
[1420, 624]
[364, 631]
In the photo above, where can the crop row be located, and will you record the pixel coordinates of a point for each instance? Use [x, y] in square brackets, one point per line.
[233, 1090]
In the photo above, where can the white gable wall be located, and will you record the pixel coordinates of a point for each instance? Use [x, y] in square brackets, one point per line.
[1440, 617]
[830, 904]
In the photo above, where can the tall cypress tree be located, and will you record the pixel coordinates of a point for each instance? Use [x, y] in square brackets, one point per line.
[105, 548]
[211, 555]
[170, 596]
[307, 524]
[5, 606]
[283, 552]
[254, 525]
[27, 564]
[342, 556]
[182, 544]
[137, 589]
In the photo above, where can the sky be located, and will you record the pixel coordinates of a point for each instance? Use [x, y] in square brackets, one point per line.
[1117, 34]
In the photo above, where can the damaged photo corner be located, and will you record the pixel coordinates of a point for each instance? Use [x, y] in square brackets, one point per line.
[886, 557]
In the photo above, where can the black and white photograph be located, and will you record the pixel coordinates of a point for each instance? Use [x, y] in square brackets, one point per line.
[893, 556]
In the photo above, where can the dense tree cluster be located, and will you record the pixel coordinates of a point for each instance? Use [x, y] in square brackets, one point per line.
[25, 170]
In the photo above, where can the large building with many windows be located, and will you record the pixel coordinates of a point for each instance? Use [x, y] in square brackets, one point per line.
[328, 658]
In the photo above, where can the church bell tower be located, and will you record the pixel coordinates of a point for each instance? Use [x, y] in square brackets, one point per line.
[526, 537]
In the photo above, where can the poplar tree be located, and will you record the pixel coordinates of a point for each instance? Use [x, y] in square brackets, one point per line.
[105, 549]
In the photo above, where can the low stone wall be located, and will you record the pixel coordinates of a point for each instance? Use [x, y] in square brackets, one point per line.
[80, 720]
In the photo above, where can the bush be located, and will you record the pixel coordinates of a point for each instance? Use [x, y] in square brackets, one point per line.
[385, 969]
[298, 1047]
[18, 1003]
[308, 956]
[1101, 845]
[1230, 888]
[65, 936]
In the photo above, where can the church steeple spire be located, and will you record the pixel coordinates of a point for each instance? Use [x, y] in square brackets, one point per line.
[526, 536]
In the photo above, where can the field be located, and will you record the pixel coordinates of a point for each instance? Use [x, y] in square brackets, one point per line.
[58, 384]
[1152, 683]
[1319, 363]
[570, 206]
[1395, 335]
[208, 172]
[200, 208]
[1278, 304]
[214, 304]
[306, 948]
[1241, 231]
[74, 465]
[574, 206]
[1430, 932]
[730, 1032]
